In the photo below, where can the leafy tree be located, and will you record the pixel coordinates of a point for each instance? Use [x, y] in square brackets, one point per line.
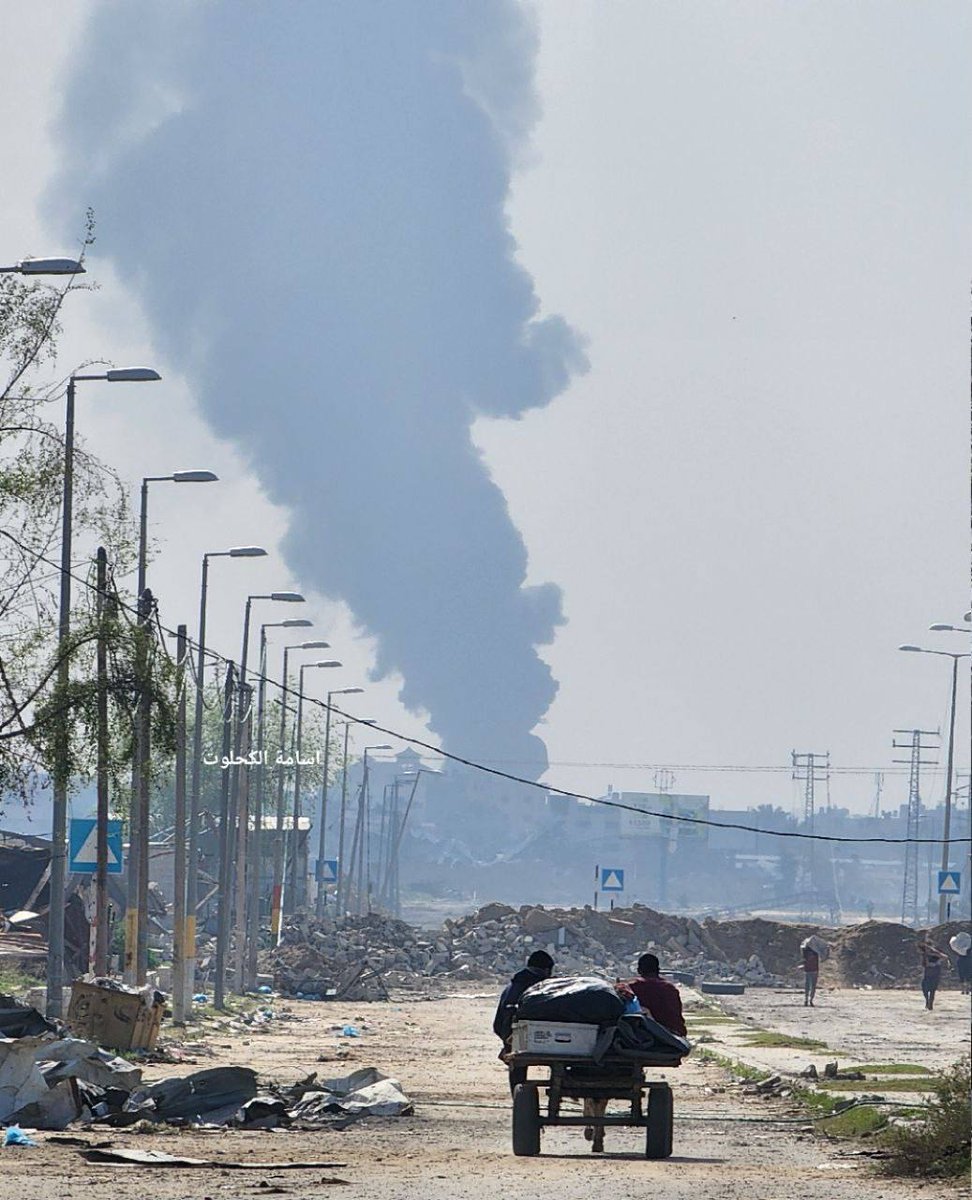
[31, 482]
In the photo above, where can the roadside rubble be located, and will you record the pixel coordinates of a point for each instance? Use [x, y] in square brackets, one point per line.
[50, 1080]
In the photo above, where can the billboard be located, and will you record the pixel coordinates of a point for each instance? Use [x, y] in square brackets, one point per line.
[646, 823]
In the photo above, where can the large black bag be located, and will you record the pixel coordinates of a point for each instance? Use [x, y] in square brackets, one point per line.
[580, 1000]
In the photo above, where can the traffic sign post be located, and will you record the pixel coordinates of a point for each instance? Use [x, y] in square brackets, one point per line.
[83, 846]
[327, 871]
[949, 883]
[608, 879]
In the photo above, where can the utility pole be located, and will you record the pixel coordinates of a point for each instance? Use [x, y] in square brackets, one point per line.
[878, 788]
[915, 746]
[179, 903]
[242, 839]
[810, 768]
[342, 881]
[143, 719]
[225, 900]
[101, 867]
[664, 781]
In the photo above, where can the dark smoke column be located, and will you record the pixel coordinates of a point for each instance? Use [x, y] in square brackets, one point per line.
[312, 197]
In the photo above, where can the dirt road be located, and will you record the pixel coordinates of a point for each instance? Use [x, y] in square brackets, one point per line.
[728, 1146]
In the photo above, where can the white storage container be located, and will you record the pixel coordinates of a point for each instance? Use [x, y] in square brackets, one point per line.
[553, 1037]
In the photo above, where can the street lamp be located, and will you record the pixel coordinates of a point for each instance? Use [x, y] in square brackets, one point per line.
[344, 877]
[55, 960]
[947, 828]
[192, 874]
[321, 890]
[138, 856]
[364, 827]
[45, 266]
[278, 841]
[295, 879]
[239, 803]
[256, 853]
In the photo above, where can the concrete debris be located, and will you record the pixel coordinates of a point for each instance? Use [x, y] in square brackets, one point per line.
[316, 958]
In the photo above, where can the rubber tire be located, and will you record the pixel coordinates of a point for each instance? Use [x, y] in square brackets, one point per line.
[526, 1120]
[722, 989]
[658, 1141]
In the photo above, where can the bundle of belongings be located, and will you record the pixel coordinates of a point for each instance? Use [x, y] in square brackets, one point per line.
[817, 945]
[621, 1032]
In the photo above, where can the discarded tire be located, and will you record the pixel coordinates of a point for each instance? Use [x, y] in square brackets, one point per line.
[658, 1140]
[722, 989]
[685, 977]
[526, 1120]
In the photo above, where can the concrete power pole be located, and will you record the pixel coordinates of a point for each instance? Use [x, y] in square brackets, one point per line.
[915, 746]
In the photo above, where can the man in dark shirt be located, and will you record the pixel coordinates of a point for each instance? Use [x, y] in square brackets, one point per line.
[539, 966]
[657, 996]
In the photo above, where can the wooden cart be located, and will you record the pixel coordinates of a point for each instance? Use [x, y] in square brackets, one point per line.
[580, 1078]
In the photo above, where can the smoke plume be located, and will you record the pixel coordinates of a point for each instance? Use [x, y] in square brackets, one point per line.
[310, 201]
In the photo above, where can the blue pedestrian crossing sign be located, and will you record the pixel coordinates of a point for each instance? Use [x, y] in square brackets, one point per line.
[83, 846]
[612, 879]
[949, 883]
[327, 870]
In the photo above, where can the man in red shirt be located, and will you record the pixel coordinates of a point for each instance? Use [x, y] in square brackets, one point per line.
[657, 997]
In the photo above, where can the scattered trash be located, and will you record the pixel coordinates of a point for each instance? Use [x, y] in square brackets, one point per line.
[15, 1136]
[200, 998]
[351, 1031]
[156, 1158]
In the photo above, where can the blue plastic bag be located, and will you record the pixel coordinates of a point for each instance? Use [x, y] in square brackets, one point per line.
[15, 1136]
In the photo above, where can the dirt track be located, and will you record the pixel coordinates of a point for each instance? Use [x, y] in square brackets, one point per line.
[444, 1055]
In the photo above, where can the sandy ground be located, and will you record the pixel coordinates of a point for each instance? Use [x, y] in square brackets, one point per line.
[457, 1145]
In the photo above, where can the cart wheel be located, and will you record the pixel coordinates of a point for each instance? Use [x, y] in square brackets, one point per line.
[658, 1143]
[526, 1120]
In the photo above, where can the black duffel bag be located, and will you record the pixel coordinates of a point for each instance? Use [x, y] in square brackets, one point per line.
[581, 1000]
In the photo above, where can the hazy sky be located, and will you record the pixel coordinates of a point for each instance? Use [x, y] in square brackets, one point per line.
[756, 216]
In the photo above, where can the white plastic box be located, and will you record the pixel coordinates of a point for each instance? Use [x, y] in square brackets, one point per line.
[553, 1037]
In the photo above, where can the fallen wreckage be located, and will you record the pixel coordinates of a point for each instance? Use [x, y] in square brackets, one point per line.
[50, 1079]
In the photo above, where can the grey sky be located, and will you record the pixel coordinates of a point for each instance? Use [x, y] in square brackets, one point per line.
[757, 216]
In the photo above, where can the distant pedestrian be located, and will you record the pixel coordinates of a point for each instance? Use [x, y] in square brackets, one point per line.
[811, 973]
[961, 944]
[931, 976]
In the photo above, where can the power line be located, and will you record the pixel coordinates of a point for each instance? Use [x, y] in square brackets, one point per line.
[475, 765]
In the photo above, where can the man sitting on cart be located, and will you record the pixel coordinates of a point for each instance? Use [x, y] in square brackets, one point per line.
[539, 966]
[657, 997]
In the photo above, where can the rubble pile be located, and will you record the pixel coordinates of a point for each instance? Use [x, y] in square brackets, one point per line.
[315, 955]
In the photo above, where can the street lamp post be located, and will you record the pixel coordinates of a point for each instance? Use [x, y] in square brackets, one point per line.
[239, 801]
[256, 850]
[362, 833]
[44, 266]
[278, 840]
[296, 890]
[62, 749]
[321, 889]
[138, 858]
[192, 872]
[950, 754]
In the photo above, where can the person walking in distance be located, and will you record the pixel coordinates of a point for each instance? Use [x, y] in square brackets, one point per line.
[931, 975]
[811, 973]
